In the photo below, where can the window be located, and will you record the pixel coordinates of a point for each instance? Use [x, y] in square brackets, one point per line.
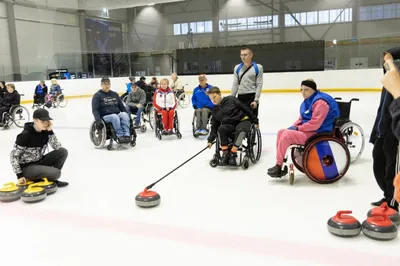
[208, 26]
[333, 14]
[177, 29]
[200, 27]
[323, 17]
[376, 12]
[251, 23]
[389, 11]
[264, 22]
[193, 27]
[242, 24]
[398, 11]
[275, 21]
[222, 23]
[365, 13]
[312, 18]
[232, 24]
[289, 21]
[346, 15]
[185, 28]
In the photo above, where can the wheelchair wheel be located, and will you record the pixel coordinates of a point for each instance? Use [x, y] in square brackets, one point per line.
[255, 144]
[152, 118]
[297, 158]
[125, 99]
[20, 115]
[183, 100]
[62, 100]
[245, 163]
[194, 126]
[326, 160]
[98, 137]
[354, 139]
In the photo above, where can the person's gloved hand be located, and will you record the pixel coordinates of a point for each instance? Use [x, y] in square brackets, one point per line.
[194, 107]
[292, 128]
[99, 125]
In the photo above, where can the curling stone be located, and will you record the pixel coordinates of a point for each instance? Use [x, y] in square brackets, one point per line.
[393, 215]
[379, 227]
[33, 194]
[343, 225]
[10, 192]
[50, 187]
[147, 199]
[25, 186]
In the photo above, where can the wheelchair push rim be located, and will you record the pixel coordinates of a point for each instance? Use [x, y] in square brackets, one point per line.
[326, 160]
[255, 144]
[98, 138]
[350, 130]
[18, 117]
[62, 100]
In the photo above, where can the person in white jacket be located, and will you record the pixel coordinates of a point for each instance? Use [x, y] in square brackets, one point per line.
[164, 101]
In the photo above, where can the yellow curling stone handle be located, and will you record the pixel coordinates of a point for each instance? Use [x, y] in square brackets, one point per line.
[44, 183]
[9, 187]
[33, 188]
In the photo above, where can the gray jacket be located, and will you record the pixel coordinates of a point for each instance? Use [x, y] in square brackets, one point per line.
[250, 83]
[137, 97]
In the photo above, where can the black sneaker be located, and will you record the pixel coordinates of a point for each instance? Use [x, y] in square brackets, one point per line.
[378, 203]
[61, 183]
[277, 172]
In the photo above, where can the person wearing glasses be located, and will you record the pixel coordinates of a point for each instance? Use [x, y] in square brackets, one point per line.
[248, 80]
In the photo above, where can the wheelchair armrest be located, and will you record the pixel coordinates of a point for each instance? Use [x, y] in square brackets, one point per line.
[354, 100]
[338, 98]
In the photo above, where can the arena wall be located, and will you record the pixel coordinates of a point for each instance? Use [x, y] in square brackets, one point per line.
[363, 80]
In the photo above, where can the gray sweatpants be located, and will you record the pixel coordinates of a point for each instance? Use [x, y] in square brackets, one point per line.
[202, 117]
[49, 167]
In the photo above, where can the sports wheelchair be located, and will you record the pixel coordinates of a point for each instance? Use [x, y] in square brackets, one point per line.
[99, 137]
[324, 158]
[182, 98]
[159, 127]
[252, 149]
[350, 130]
[194, 125]
[18, 114]
[147, 116]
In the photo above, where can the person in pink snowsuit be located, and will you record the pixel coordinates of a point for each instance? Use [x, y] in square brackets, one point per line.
[318, 113]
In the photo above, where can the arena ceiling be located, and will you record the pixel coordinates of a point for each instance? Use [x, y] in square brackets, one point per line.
[90, 4]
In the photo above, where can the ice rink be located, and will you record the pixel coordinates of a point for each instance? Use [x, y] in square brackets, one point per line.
[207, 215]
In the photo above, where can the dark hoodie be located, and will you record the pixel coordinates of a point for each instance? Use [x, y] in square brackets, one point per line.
[230, 111]
[383, 122]
[106, 103]
[30, 147]
[3, 91]
[11, 99]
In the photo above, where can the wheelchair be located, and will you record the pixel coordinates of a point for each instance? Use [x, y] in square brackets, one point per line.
[18, 114]
[251, 149]
[324, 158]
[182, 98]
[61, 100]
[99, 137]
[352, 133]
[194, 125]
[159, 127]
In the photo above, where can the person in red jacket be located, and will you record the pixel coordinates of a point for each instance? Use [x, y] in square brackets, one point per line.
[164, 101]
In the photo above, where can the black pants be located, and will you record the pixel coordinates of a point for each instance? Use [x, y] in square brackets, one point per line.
[385, 155]
[49, 167]
[235, 133]
[38, 99]
[3, 110]
[247, 99]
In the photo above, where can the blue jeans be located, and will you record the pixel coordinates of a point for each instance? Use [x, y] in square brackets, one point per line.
[138, 112]
[120, 123]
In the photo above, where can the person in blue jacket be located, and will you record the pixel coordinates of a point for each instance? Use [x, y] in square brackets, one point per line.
[40, 92]
[107, 105]
[202, 105]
